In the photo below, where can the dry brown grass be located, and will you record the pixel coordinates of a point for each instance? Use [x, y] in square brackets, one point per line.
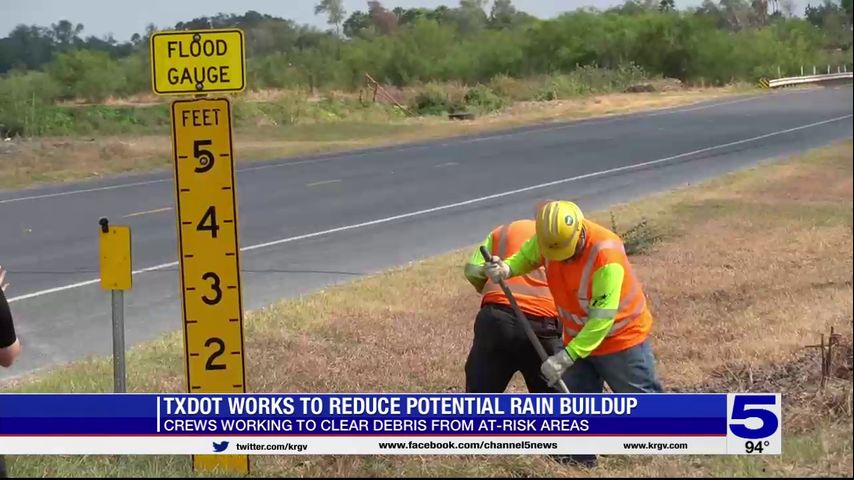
[752, 268]
[56, 159]
[738, 292]
[46, 160]
[613, 104]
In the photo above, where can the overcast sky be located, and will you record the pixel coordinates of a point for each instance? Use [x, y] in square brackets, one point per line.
[123, 18]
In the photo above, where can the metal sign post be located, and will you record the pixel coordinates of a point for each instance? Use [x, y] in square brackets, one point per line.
[119, 369]
[116, 276]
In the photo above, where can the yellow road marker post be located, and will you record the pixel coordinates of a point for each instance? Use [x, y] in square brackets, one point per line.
[116, 276]
[201, 62]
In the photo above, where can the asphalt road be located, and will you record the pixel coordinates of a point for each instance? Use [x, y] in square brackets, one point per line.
[312, 221]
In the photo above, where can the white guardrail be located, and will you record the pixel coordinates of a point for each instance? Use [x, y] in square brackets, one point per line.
[814, 78]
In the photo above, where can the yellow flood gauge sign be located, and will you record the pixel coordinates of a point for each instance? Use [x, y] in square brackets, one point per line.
[208, 254]
[197, 61]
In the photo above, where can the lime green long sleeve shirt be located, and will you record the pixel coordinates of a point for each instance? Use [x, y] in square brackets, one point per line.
[607, 282]
[474, 267]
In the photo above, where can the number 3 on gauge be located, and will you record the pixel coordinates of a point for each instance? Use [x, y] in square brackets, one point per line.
[215, 287]
[746, 407]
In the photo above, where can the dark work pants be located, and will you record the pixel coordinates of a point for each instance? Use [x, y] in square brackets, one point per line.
[500, 348]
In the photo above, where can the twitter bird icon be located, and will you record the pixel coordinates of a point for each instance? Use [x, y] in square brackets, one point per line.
[220, 447]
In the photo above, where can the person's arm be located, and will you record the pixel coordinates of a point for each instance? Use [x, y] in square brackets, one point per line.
[9, 354]
[526, 260]
[602, 309]
[474, 268]
[10, 347]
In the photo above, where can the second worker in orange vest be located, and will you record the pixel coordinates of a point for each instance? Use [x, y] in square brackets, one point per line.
[605, 317]
[500, 347]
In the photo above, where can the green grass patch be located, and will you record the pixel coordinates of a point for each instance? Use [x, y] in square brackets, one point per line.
[59, 120]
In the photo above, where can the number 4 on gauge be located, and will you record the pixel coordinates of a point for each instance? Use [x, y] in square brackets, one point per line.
[208, 221]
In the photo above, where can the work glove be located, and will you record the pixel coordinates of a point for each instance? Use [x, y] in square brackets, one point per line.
[555, 365]
[496, 269]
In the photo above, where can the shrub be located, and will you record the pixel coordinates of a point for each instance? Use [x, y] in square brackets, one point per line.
[432, 100]
[25, 100]
[514, 89]
[483, 99]
[638, 239]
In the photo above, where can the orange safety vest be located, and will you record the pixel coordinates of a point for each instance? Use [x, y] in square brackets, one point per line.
[571, 283]
[531, 291]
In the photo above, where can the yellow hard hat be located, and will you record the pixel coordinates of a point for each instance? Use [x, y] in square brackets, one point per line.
[558, 228]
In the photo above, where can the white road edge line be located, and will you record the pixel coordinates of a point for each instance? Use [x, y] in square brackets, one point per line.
[453, 205]
[452, 141]
[85, 190]
[147, 212]
[322, 182]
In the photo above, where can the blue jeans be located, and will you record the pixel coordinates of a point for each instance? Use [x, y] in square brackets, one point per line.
[629, 371]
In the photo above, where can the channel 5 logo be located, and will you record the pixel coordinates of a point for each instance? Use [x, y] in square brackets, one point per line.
[754, 416]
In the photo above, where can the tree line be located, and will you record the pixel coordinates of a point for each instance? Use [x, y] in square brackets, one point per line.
[473, 42]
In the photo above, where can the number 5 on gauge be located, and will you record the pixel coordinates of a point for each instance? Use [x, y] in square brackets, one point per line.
[754, 423]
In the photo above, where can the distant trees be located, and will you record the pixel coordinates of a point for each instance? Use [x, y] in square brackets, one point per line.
[26, 47]
[835, 19]
[472, 41]
[469, 17]
[334, 10]
[504, 15]
[384, 21]
[65, 33]
[357, 25]
[828, 12]
[88, 73]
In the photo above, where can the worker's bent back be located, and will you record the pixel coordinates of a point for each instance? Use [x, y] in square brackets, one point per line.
[531, 291]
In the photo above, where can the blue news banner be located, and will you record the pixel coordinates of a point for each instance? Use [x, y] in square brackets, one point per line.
[322, 424]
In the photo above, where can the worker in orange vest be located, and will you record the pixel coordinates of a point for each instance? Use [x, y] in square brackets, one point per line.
[603, 310]
[500, 347]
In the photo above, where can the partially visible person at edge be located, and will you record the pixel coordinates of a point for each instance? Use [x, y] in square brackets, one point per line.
[10, 346]
[603, 310]
[500, 346]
